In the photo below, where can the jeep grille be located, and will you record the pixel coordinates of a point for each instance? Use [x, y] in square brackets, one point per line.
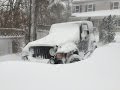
[41, 52]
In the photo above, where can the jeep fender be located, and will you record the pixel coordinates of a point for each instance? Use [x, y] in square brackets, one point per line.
[67, 48]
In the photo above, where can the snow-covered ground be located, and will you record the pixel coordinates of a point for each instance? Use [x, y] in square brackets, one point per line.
[12, 57]
[101, 71]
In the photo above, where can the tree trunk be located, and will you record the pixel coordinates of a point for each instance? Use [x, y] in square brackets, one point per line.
[33, 21]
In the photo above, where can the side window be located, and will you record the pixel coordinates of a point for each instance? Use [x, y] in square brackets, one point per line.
[84, 31]
[84, 27]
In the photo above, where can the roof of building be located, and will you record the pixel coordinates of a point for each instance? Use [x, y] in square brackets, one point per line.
[98, 14]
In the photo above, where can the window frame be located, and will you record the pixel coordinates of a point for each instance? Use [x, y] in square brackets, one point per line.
[90, 9]
[115, 7]
[85, 25]
[77, 10]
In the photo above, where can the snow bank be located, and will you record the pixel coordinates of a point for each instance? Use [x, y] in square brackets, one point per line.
[12, 57]
[100, 72]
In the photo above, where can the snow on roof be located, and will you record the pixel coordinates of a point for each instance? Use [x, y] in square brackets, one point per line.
[101, 13]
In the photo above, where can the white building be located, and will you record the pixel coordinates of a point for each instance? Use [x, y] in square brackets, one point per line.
[95, 10]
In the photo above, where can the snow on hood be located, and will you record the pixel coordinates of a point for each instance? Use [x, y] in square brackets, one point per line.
[67, 47]
[59, 34]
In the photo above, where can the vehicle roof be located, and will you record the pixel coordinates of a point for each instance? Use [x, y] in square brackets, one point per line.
[74, 22]
[67, 25]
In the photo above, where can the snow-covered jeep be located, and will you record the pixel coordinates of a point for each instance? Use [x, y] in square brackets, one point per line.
[66, 43]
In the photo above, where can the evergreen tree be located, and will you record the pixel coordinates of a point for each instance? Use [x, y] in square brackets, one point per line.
[107, 29]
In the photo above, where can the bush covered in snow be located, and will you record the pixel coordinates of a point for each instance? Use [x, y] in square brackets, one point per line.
[107, 27]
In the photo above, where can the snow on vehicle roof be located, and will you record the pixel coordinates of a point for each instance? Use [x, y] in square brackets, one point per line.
[101, 13]
[67, 25]
[74, 22]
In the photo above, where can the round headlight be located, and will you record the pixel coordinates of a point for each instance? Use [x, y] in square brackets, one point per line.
[52, 52]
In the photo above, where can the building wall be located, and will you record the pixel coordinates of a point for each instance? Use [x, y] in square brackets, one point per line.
[5, 46]
[11, 45]
[103, 5]
[99, 5]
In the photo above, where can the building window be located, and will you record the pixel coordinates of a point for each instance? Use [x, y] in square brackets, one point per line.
[115, 5]
[77, 9]
[90, 7]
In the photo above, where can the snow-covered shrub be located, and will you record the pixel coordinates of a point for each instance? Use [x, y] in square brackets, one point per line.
[107, 29]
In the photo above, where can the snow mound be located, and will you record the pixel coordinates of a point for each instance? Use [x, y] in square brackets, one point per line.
[100, 72]
[12, 57]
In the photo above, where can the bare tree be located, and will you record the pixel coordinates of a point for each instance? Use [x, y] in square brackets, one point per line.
[12, 14]
[32, 31]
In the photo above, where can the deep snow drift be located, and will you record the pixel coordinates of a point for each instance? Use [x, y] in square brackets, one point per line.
[100, 72]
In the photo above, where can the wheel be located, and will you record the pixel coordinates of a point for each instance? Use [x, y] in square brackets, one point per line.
[74, 58]
[52, 61]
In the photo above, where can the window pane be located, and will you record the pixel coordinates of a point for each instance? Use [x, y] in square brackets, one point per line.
[116, 3]
[77, 9]
[90, 9]
[115, 7]
[84, 27]
[90, 6]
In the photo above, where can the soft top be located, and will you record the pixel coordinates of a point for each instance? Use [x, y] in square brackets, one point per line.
[67, 26]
